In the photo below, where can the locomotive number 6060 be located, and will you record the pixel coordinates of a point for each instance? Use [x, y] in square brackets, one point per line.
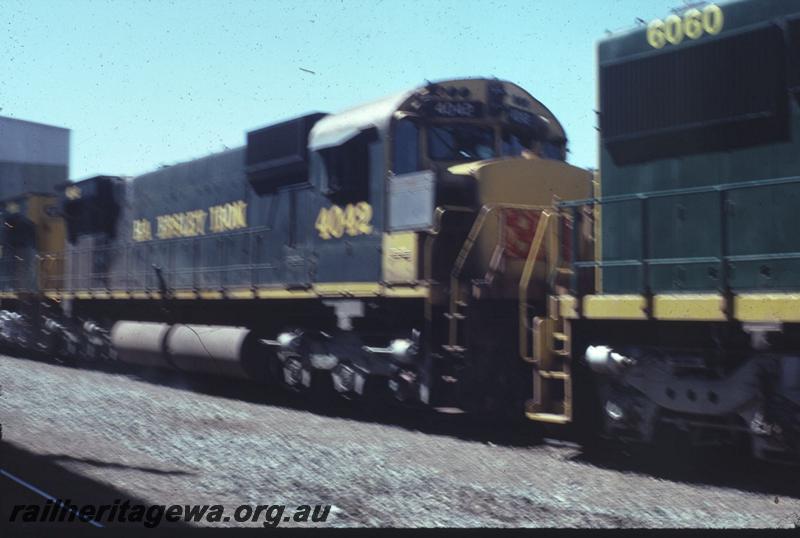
[693, 25]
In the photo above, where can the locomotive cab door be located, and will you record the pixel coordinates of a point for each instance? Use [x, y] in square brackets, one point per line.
[348, 174]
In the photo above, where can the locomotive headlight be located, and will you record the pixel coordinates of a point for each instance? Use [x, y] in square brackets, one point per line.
[288, 340]
[604, 360]
[614, 411]
[403, 350]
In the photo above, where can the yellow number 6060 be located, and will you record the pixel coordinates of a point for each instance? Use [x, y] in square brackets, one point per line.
[693, 25]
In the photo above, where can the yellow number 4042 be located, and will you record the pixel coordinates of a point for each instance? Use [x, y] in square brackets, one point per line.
[693, 25]
[353, 219]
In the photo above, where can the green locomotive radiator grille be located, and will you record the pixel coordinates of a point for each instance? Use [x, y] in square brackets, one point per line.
[721, 94]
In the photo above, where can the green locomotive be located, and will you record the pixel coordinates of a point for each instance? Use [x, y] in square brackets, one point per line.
[690, 324]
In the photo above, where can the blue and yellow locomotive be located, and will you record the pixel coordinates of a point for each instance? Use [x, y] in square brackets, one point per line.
[369, 248]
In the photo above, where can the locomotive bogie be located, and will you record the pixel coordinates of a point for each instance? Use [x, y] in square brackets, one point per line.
[758, 399]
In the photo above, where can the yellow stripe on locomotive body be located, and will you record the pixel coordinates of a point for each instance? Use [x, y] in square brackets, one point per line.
[747, 307]
[362, 290]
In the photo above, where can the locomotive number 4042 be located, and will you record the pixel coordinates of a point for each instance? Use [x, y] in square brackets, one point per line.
[353, 219]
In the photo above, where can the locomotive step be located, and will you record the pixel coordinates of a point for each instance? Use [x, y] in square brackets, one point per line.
[550, 418]
[552, 374]
[449, 410]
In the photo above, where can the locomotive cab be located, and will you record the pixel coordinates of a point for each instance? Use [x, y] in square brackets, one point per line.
[440, 173]
[395, 154]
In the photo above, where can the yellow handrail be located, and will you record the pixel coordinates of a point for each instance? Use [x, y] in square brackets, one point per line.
[524, 282]
[466, 249]
[456, 272]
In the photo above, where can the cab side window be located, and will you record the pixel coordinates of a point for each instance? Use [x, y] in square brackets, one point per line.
[405, 147]
[345, 168]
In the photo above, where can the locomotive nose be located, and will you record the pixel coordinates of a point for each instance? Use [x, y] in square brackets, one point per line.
[521, 181]
[512, 195]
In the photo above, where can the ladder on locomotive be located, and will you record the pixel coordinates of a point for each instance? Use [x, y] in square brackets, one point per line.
[550, 335]
[459, 298]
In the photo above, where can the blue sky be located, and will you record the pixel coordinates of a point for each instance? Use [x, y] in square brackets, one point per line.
[145, 83]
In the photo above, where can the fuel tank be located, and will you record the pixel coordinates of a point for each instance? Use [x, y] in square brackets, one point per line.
[208, 349]
[204, 349]
[140, 342]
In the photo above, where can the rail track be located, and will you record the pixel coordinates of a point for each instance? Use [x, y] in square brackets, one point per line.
[156, 437]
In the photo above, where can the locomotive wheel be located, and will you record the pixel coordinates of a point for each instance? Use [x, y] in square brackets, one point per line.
[61, 351]
[295, 374]
[90, 354]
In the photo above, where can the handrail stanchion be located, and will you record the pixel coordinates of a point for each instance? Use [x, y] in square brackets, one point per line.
[724, 270]
[647, 289]
[574, 279]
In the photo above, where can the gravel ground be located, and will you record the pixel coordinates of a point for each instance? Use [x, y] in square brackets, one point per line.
[168, 440]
